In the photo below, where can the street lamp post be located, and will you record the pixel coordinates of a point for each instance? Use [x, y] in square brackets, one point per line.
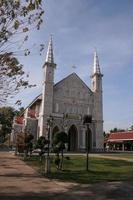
[47, 164]
[87, 120]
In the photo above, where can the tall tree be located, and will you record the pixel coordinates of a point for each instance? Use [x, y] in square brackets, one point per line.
[6, 118]
[17, 18]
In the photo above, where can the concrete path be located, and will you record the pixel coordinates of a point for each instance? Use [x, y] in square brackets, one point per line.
[20, 182]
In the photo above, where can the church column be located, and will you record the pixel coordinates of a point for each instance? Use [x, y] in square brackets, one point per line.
[123, 146]
[98, 101]
[47, 90]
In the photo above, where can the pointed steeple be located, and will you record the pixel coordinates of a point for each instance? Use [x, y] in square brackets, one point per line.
[96, 66]
[50, 56]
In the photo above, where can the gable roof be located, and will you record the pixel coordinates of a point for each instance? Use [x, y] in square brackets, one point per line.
[73, 74]
[119, 136]
[39, 97]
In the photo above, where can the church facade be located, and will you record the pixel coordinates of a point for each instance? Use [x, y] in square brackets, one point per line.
[65, 104]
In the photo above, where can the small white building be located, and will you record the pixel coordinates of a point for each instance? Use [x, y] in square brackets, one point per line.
[67, 102]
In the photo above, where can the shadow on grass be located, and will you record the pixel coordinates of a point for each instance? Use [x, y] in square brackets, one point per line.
[89, 177]
[99, 170]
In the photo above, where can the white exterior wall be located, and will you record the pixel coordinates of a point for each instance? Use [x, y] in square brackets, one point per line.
[98, 109]
[72, 96]
[47, 97]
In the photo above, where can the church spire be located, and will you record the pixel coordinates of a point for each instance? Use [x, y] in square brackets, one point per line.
[96, 66]
[50, 56]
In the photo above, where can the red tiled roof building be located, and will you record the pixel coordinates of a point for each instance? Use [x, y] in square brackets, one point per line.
[120, 141]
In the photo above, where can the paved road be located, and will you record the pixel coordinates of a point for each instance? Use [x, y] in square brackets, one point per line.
[20, 182]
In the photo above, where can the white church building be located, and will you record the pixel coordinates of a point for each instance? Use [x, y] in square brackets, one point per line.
[66, 102]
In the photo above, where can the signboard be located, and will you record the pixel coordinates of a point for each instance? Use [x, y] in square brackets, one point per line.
[73, 116]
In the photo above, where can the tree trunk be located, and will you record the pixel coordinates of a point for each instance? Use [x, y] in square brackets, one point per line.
[61, 164]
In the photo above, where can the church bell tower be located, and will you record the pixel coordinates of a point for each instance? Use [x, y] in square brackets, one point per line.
[98, 101]
[47, 91]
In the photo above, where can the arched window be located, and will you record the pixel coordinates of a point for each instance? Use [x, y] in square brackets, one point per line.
[73, 138]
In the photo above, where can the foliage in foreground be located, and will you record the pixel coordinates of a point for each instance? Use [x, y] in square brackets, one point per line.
[59, 141]
[17, 18]
[41, 144]
[6, 119]
[28, 141]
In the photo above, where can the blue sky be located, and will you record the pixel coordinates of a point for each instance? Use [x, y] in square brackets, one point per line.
[79, 26]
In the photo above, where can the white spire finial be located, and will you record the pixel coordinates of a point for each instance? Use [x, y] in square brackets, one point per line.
[50, 56]
[96, 66]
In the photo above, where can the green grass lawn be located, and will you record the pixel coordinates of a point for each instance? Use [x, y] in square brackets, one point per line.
[100, 169]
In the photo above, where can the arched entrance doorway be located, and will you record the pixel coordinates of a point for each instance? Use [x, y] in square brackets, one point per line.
[88, 140]
[72, 138]
[55, 130]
